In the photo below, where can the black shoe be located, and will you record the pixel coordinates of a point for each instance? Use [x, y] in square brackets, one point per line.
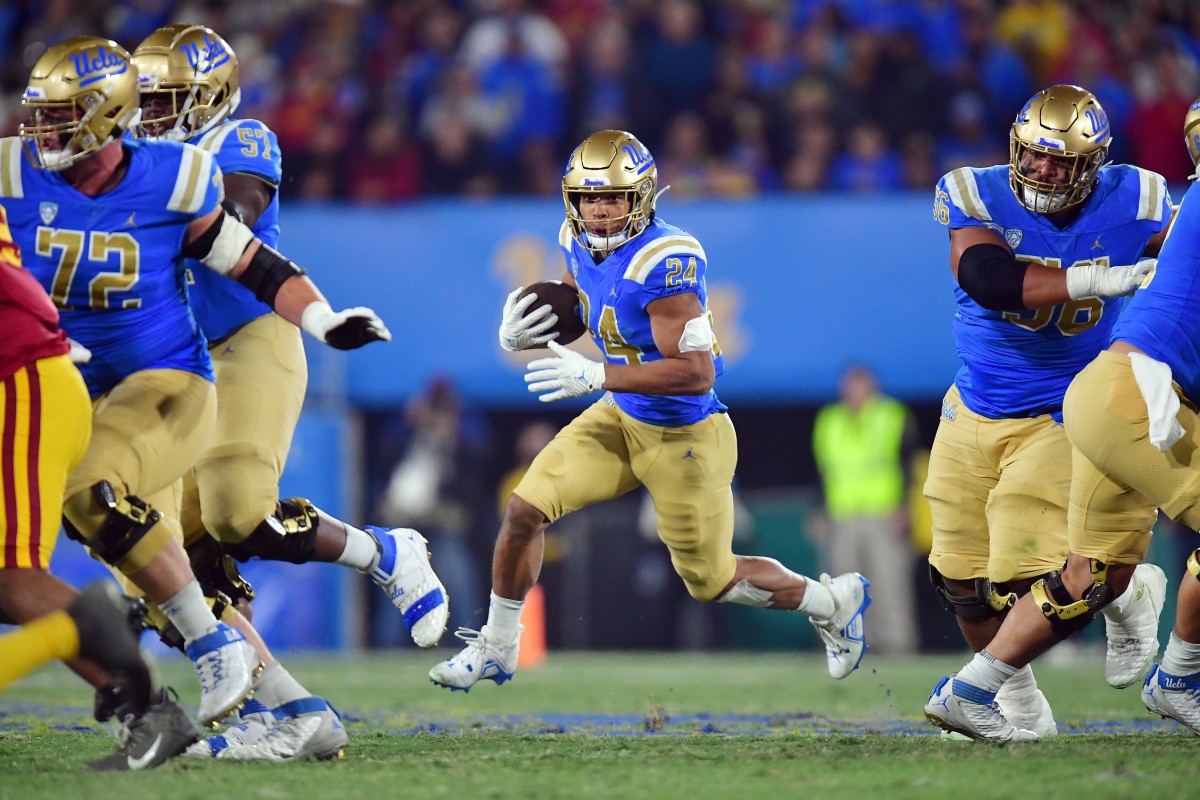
[163, 731]
[105, 619]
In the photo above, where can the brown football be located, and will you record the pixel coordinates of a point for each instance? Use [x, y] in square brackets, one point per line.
[564, 300]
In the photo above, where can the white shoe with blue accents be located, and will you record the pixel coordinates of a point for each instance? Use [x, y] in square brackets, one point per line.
[305, 728]
[402, 569]
[959, 707]
[482, 659]
[843, 634]
[226, 664]
[1174, 697]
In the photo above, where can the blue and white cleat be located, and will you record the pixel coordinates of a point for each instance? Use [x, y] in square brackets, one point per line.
[843, 634]
[959, 707]
[305, 728]
[482, 659]
[402, 569]
[245, 728]
[226, 664]
[1174, 697]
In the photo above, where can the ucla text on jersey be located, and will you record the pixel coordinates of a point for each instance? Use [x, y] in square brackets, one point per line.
[239, 146]
[1018, 364]
[111, 263]
[662, 261]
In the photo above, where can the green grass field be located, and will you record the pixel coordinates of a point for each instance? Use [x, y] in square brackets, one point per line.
[628, 725]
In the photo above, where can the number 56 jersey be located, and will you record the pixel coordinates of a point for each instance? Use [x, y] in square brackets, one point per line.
[1018, 363]
[112, 263]
[662, 261]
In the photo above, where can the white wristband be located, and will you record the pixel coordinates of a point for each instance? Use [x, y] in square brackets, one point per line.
[316, 318]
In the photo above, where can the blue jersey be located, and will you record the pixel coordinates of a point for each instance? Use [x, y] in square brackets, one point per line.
[1019, 363]
[248, 146]
[661, 262]
[111, 263]
[1162, 319]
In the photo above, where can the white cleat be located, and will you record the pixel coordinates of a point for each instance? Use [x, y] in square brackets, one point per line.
[252, 720]
[843, 634]
[1174, 697]
[961, 708]
[482, 659]
[226, 664]
[1029, 710]
[1131, 626]
[306, 728]
[402, 569]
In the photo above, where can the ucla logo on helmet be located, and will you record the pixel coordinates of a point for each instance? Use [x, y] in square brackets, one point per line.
[1023, 114]
[639, 156]
[207, 58]
[1014, 236]
[103, 64]
[48, 211]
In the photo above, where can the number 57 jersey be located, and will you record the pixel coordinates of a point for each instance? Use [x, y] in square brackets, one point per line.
[1018, 363]
[112, 263]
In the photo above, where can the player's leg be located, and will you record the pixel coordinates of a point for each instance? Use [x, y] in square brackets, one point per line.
[146, 433]
[261, 376]
[586, 462]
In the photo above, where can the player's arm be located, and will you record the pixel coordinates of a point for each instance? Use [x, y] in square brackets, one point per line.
[246, 197]
[227, 246]
[990, 274]
[683, 335]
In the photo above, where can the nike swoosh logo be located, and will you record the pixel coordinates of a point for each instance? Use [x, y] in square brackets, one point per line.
[148, 757]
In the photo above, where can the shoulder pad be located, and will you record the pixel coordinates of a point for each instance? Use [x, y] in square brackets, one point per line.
[963, 188]
[654, 251]
[191, 180]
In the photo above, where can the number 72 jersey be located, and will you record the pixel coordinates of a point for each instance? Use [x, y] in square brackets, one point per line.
[1019, 363]
[112, 263]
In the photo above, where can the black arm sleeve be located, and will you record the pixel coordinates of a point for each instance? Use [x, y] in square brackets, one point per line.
[992, 277]
[266, 272]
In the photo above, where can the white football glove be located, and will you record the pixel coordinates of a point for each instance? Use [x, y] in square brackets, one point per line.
[519, 331]
[1097, 280]
[566, 374]
[343, 330]
[78, 353]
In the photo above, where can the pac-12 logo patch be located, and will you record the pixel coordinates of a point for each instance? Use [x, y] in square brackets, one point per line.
[48, 212]
[1014, 236]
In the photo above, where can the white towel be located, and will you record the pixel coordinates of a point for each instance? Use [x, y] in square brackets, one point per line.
[1154, 382]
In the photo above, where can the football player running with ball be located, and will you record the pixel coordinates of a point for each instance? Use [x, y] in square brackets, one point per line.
[1042, 249]
[659, 423]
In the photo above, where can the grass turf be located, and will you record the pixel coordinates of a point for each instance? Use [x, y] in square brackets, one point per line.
[627, 725]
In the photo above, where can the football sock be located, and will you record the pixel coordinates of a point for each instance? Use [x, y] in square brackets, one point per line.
[1180, 657]
[817, 601]
[189, 612]
[276, 686]
[1021, 681]
[987, 672]
[36, 642]
[360, 551]
[504, 617]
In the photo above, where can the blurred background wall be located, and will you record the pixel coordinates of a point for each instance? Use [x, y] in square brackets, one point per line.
[422, 145]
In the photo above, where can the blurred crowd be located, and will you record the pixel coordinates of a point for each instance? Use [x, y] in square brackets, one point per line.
[378, 102]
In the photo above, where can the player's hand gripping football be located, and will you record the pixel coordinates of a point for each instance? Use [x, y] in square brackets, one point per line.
[566, 374]
[344, 330]
[1097, 280]
[518, 330]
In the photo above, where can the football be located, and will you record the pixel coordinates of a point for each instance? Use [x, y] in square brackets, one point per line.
[564, 300]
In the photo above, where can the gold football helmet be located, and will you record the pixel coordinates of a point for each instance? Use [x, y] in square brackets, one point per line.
[1191, 131]
[82, 94]
[609, 162]
[1066, 122]
[188, 77]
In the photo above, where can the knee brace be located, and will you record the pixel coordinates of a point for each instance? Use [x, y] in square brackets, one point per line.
[1193, 564]
[288, 535]
[215, 569]
[986, 602]
[1066, 614]
[127, 520]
